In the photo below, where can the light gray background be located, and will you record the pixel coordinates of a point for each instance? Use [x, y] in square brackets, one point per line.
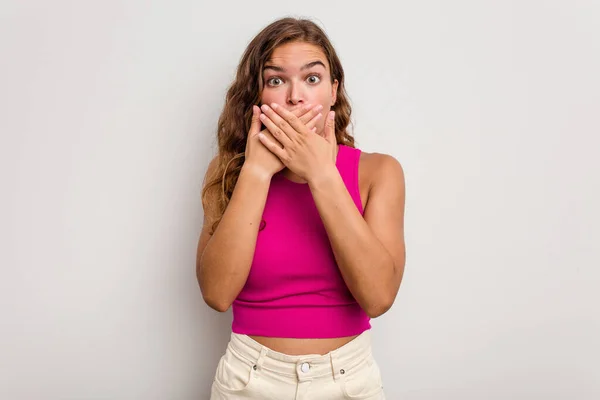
[108, 111]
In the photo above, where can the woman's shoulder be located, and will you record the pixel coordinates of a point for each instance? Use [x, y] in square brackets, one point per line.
[212, 166]
[377, 173]
[379, 166]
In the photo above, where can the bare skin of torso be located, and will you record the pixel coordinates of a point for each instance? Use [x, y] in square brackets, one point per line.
[292, 346]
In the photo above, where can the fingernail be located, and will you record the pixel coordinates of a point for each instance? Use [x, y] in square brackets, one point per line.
[319, 107]
[265, 107]
[331, 114]
[274, 106]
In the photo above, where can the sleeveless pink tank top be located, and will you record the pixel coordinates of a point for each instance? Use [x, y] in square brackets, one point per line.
[295, 288]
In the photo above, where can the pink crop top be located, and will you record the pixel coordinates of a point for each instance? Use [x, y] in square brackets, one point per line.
[295, 288]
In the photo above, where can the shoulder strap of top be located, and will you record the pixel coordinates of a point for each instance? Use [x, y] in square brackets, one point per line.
[347, 163]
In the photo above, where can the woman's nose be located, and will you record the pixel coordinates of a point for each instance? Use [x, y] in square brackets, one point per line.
[295, 95]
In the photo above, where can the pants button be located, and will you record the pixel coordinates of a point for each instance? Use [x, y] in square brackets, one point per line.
[305, 367]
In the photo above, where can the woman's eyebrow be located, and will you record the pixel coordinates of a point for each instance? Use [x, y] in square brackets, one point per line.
[281, 69]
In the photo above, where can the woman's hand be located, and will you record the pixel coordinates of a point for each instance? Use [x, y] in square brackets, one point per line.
[263, 161]
[299, 148]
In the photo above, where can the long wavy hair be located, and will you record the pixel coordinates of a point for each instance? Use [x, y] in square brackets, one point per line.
[246, 90]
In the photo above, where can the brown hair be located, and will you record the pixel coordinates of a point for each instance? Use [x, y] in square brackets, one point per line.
[246, 90]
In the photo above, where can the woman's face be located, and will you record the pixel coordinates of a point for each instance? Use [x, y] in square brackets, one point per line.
[297, 74]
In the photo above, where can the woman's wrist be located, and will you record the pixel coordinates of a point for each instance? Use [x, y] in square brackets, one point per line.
[255, 172]
[323, 177]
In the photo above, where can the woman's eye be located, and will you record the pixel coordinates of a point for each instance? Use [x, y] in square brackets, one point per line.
[314, 79]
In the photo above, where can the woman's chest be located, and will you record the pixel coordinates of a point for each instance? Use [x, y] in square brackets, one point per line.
[292, 243]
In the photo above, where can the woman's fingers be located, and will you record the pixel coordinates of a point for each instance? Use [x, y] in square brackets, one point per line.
[285, 120]
[311, 114]
[255, 125]
[272, 146]
[281, 130]
[278, 131]
[313, 122]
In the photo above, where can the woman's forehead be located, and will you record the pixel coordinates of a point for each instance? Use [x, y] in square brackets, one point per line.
[296, 54]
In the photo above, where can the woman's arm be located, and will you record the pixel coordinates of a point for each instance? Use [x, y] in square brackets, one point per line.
[370, 251]
[223, 260]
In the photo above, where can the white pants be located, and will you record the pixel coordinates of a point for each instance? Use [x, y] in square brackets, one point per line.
[249, 370]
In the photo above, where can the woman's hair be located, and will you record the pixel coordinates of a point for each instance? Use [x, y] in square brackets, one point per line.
[246, 90]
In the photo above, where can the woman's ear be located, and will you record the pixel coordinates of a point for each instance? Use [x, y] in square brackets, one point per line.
[334, 88]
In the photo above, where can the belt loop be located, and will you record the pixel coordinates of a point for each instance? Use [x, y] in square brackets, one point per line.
[334, 367]
[261, 357]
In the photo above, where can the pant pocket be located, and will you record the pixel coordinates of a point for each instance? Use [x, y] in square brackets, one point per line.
[234, 373]
[363, 382]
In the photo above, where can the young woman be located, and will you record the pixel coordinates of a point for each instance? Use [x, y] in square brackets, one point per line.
[303, 233]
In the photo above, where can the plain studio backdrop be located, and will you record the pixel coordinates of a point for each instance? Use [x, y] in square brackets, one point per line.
[108, 116]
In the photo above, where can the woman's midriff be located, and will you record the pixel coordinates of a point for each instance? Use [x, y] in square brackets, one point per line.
[296, 347]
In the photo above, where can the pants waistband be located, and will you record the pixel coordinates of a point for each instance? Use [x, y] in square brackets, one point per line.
[308, 366]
